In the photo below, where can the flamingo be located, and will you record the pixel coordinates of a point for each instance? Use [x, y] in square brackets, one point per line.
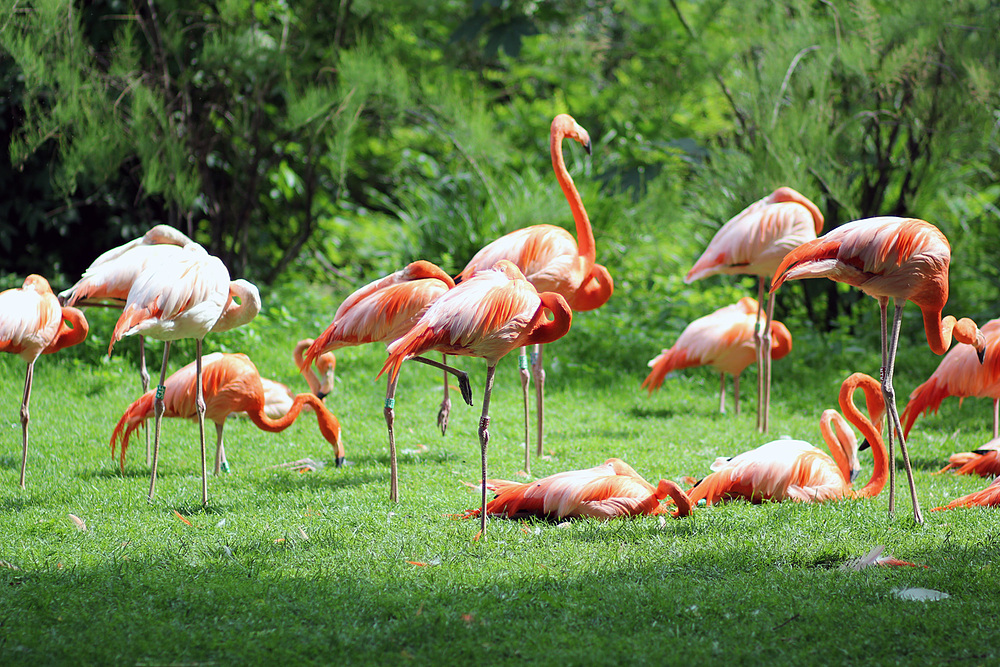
[983, 461]
[185, 298]
[903, 259]
[796, 470]
[553, 261]
[608, 491]
[384, 310]
[107, 280]
[32, 324]
[960, 374]
[724, 340]
[230, 384]
[988, 497]
[488, 315]
[754, 242]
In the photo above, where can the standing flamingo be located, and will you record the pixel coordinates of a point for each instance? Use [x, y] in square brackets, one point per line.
[185, 298]
[724, 340]
[960, 374]
[107, 280]
[988, 497]
[903, 259]
[983, 461]
[31, 324]
[487, 316]
[553, 261]
[754, 242]
[230, 384]
[384, 310]
[795, 470]
[607, 491]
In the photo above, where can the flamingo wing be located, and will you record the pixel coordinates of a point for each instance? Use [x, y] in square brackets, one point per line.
[988, 497]
[30, 318]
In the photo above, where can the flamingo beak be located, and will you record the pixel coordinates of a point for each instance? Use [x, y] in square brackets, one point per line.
[322, 394]
[864, 445]
[981, 353]
[854, 474]
[587, 147]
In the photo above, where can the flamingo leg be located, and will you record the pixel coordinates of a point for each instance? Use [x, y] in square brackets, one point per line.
[390, 416]
[890, 402]
[445, 410]
[765, 354]
[736, 392]
[883, 304]
[463, 377]
[199, 404]
[144, 378]
[522, 365]
[484, 440]
[158, 409]
[758, 349]
[722, 393]
[220, 451]
[29, 374]
[539, 371]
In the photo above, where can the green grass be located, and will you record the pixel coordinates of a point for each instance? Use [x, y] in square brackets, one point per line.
[313, 568]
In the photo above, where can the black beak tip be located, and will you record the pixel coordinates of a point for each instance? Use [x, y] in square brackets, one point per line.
[982, 355]
[339, 462]
[588, 147]
[322, 394]
[864, 445]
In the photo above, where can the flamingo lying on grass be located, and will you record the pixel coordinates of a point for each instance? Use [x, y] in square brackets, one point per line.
[983, 461]
[795, 470]
[607, 491]
[988, 497]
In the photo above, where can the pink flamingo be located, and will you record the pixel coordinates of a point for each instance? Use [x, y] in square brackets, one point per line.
[796, 470]
[184, 298]
[724, 340]
[487, 316]
[607, 491]
[961, 374]
[553, 261]
[32, 324]
[903, 259]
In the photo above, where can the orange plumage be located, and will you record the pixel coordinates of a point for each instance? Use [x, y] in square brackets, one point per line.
[795, 470]
[230, 384]
[723, 340]
[607, 491]
[960, 374]
[31, 324]
[988, 497]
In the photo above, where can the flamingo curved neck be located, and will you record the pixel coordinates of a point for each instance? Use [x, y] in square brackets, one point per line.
[940, 332]
[584, 232]
[595, 291]
[238, 314]
[306, 370]
[67, 336]
[670, 488]
[840, 444]
[546, 331]
[873, 395]
[328, 424]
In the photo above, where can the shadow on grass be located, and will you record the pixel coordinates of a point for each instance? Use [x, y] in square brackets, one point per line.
[230, 606]
[654, 413]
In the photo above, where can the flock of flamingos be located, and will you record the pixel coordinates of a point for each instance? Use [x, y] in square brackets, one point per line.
[522, 290]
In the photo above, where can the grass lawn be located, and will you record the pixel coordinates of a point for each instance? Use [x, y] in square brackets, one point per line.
[320, 567]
